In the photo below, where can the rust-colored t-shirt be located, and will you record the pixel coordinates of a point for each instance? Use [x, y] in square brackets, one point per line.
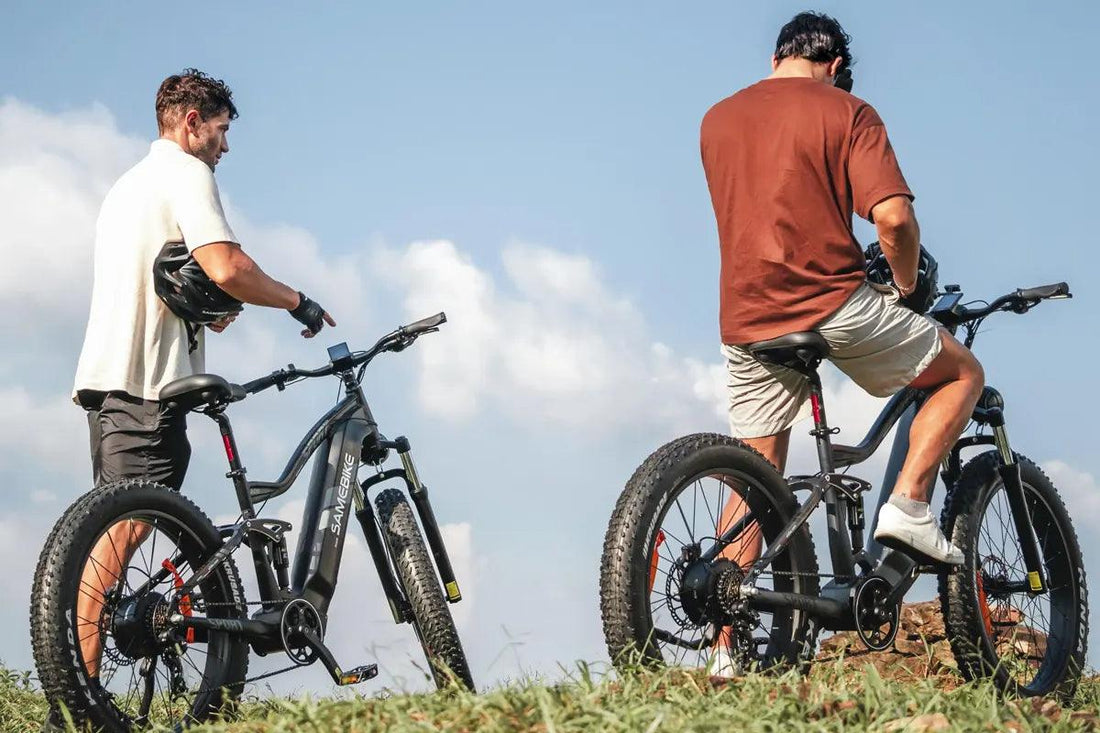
[787, 161]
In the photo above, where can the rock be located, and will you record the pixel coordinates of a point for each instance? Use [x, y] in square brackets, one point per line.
[918, 724]
[921, 648]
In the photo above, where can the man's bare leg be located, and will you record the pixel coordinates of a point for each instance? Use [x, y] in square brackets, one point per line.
[109, 557]
[958, 379]
[955, 380]
[746, 549]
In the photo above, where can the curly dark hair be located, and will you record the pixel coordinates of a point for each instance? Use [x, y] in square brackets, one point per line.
[816, 37]
[192, 89]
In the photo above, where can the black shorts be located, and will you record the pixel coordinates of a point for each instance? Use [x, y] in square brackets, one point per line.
[132, 438]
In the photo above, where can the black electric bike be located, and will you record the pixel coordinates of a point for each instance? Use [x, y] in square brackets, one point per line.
[138, 614]
[707, 544]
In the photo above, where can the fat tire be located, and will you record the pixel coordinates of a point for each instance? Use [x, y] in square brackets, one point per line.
[624, 592]
[57, 656]
[435, 628]
[958, 588]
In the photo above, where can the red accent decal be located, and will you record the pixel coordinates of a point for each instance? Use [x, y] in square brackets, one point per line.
[817, 409]
[228, 448]
[185, 602]
[653, 561]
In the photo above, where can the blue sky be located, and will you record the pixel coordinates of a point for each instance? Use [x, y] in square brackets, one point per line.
[546, 158]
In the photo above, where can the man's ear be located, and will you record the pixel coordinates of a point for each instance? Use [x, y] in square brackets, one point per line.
[834, 66]
[192, 119]
[775, 63]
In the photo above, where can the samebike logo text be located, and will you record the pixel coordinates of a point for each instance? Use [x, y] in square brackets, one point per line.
[343, 491]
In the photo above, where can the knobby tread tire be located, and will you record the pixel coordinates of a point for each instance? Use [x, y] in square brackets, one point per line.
[627, 624]
[958, 589]
[57, 657]
[431, 617]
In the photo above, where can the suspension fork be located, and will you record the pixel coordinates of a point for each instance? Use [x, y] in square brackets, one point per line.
[419, 494]
[1021, 515]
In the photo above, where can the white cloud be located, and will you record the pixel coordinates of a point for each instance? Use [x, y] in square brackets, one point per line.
[550, 345]
[45, 435]
[1079, 491]
[54, 171]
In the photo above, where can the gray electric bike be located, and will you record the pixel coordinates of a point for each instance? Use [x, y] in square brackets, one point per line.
[708, 544]
[160, 633]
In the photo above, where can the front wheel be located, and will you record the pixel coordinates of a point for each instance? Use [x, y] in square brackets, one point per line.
[431, 618]
[1028, 644]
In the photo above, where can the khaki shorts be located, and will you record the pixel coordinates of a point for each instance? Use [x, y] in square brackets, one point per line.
[881, 345]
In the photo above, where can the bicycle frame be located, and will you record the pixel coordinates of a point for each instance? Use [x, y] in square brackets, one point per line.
[341, 439]
[842, 496]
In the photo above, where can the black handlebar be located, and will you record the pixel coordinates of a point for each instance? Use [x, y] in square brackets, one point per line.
[396, 340]
[950, 313]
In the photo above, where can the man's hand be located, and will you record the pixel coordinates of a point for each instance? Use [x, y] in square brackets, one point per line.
[219, 326]
[311, 315]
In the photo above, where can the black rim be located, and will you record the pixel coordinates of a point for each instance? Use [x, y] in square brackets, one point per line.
[149, 678]
[683, 630]
[1033, 638]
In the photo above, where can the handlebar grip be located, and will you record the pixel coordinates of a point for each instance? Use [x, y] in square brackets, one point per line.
[258, 385]
[425, 324]
[1056, 290]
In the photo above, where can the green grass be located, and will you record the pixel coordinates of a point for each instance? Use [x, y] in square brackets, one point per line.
[832, 698]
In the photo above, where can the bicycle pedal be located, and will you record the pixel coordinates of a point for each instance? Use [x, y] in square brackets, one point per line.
[359, 674]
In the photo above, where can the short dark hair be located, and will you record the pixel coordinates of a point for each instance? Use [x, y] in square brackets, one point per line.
[816, 37]
[192, 89]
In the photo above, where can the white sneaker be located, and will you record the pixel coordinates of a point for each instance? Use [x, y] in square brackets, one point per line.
[721, 663]
[901, 531]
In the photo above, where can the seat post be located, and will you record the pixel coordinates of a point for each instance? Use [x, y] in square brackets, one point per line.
[821, 431]
[236, 470]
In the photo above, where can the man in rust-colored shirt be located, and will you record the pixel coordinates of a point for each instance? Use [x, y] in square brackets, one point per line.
[788, 161]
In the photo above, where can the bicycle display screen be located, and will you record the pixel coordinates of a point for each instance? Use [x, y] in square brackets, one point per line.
[340, 356]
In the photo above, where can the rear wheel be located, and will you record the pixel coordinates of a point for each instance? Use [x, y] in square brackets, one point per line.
[103, 643]
[431, 617]
[1029, 644]
[662, 602]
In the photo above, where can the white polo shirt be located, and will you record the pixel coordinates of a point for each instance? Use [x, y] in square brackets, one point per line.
[133, 342]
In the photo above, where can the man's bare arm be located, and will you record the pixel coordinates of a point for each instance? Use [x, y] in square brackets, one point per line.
[899, 237]
[238, 274]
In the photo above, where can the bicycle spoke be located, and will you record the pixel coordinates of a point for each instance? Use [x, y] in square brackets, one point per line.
[681, 510]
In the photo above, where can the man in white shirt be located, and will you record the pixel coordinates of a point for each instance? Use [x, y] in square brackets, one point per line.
[134, 345]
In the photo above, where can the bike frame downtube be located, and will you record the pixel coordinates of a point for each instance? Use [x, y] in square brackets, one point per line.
[328, 508]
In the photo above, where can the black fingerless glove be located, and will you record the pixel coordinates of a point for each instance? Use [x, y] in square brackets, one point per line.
[309, 313]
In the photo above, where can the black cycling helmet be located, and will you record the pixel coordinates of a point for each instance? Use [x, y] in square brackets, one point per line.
[921, 299]
[188, 291]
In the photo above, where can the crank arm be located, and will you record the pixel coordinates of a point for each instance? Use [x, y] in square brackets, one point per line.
[339, 676]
